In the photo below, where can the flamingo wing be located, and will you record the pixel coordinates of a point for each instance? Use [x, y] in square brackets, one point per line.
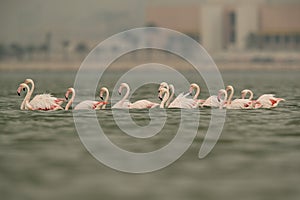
[212, 101]
[275, 101]
[44, 102]
[181, 101]
[86, 105]
[240, 104]
[122, 104]
[265, 97]
[142, 104]
[268, 101]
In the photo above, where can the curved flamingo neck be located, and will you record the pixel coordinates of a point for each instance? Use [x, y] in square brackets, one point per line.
[27, 98]
[166, 97]
[29, 90]
[170, 87]
[231, 94]
[71, 100]
[106, 96]
[32, 85]
[127, 92]
[195, 86]
[225, 98]
[251, 94]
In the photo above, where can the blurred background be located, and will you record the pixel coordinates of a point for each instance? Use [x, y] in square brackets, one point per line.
[255, 44]
[237, 33]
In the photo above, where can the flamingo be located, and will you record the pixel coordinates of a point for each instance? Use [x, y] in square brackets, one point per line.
[195, 86]
[87, 104]
[264, 101]
[124, 103]
[179, 102]
[237, 103]
[28, 81]
[39, 102]
[169, 87]
[104, 90]
[222, 103]
[212, 101]
[245, 92]
[165, 97]
[268, 101]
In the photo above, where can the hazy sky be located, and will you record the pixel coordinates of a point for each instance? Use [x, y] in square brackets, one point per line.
[28, 21]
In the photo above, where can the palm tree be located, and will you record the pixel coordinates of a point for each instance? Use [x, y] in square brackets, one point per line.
[44, 48]
[2, 51]
[81, 48]
[17, 50]
[65, 45]
[30, 49]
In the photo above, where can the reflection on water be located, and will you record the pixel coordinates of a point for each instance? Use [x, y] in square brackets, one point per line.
[257, 156]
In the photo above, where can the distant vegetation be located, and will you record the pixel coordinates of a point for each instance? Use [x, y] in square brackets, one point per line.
[42, 51]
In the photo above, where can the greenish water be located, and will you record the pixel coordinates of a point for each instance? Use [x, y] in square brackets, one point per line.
[256, 157]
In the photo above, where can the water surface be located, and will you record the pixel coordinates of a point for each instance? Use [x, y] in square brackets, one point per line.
[256, 157]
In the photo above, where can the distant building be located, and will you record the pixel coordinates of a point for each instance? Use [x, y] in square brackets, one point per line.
[234, 24]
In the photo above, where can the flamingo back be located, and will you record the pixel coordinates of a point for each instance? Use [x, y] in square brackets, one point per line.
[44, 102]
[86, 105]
[181, 101]
[143, 104]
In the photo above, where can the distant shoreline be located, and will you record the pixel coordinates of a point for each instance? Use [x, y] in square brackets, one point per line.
[12, 66]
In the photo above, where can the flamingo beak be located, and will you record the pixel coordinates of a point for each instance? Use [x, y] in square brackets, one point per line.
[23, 89]
[101, 98]
[191, 91]
[160, 98]
[18, 93]
[219, 98]
[66, 97]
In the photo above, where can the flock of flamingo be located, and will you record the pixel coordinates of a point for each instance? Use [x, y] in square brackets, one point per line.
[166, 92]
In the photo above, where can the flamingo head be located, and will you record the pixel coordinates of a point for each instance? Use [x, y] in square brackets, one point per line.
[192, 87]
[163, 85]
[102, 91]
[28, 80]
[229, 87]
[101, 94]
[161, 92]
[119, 90]
[121, 87]
[191, 90]
[70, 90]
[21, 87]
[220, 93]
